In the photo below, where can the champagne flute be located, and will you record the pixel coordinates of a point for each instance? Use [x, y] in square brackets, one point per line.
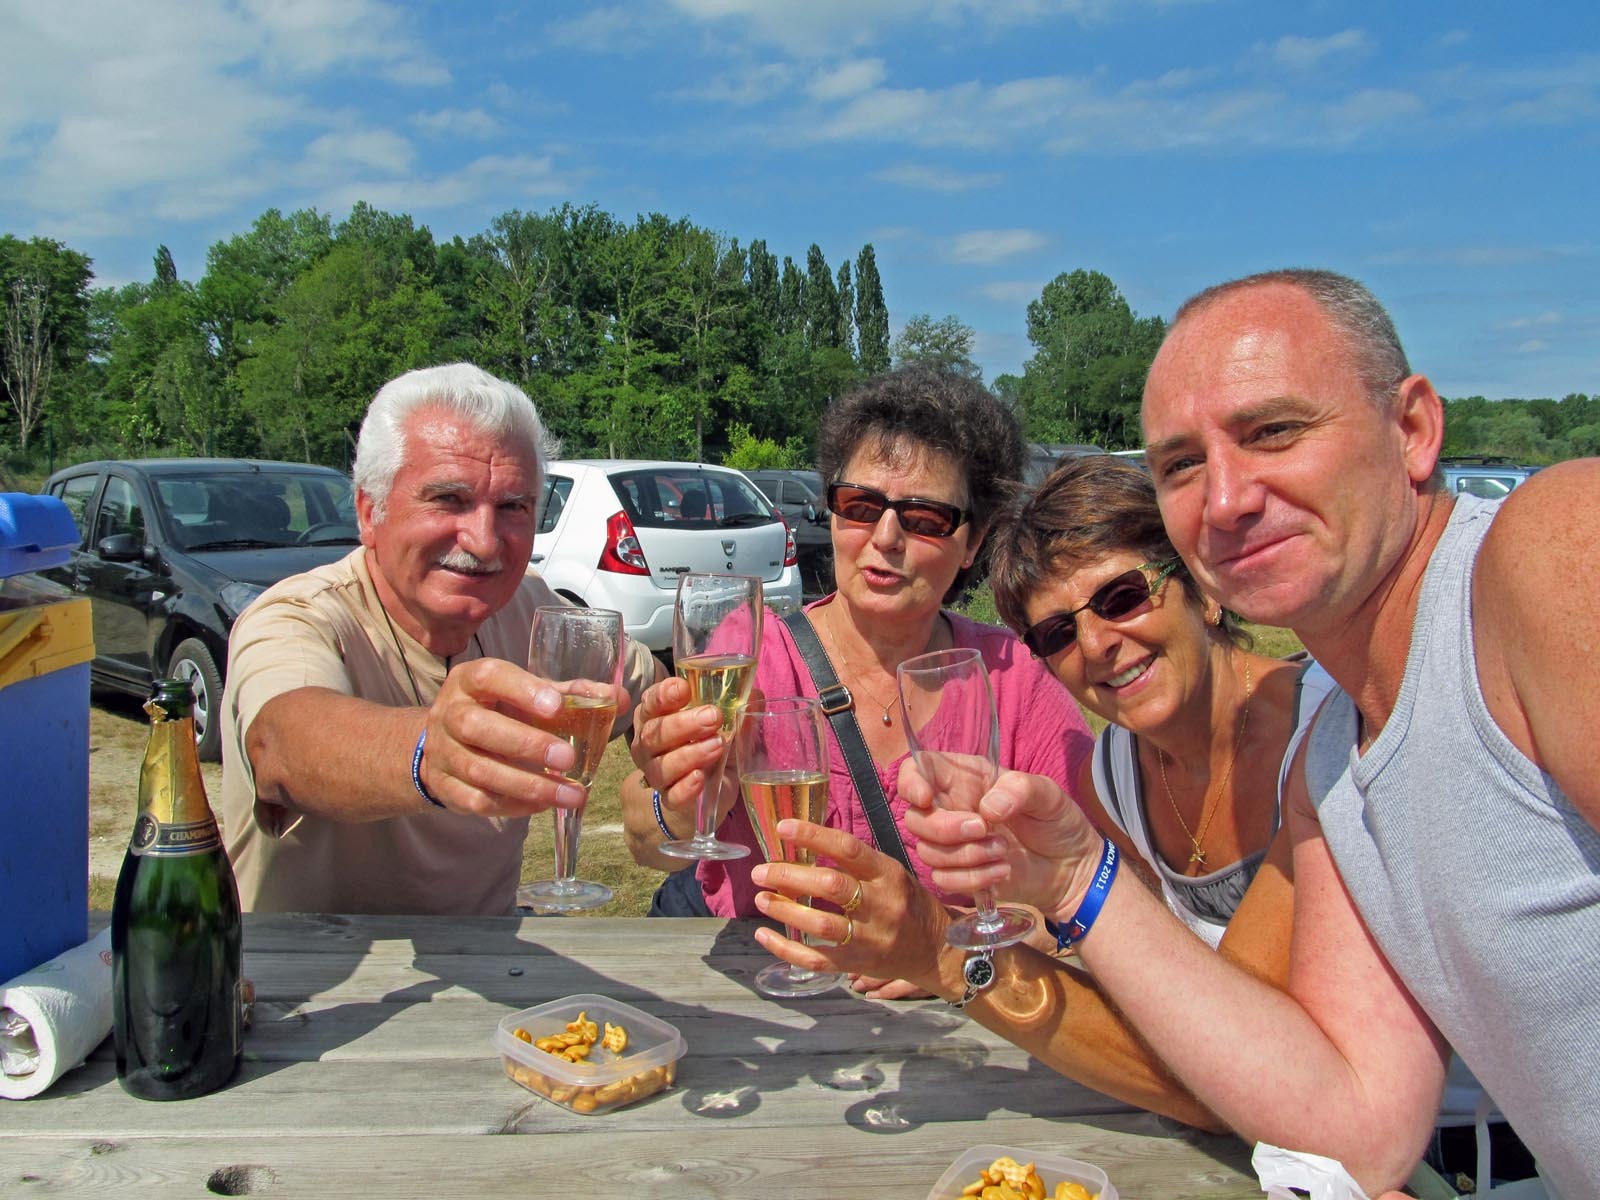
[716, 632]
[955, 738]
[579, 650]
[783, 772]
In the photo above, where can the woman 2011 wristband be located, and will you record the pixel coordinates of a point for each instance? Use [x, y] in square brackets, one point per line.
[416, 770]
[1075, 930]
[655, 803]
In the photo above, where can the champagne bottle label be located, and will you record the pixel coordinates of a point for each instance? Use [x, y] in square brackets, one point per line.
[151, 837]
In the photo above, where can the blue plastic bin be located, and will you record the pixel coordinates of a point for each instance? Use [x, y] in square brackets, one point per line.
[46, 644]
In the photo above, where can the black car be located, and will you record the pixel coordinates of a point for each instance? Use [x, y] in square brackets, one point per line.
[798, 497]
[173, 550]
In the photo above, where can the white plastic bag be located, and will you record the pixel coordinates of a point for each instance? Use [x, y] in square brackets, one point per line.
[1323, 1178]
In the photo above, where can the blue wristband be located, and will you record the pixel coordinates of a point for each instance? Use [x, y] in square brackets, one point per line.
[655, 803]
[1075, 930]
[416, 770]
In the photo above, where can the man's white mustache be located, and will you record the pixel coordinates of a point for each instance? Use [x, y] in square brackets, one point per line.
[468, 562]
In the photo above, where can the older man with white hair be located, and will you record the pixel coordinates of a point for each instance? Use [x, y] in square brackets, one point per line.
[382, 748]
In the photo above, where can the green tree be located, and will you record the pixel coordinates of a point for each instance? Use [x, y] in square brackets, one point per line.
[1091, 354]
[746, 452]
[341, 330]
[945, 343]
[247, 274]
[821, 301]
[44, 323]
[872, 315]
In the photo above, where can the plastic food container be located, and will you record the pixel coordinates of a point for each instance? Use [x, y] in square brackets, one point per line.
[605, 1080]
[1052, 1168]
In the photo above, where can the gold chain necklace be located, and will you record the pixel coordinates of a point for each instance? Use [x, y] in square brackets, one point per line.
[1197, 856]
[843, 662]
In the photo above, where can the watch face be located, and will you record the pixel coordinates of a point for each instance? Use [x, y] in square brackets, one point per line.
[979, 971]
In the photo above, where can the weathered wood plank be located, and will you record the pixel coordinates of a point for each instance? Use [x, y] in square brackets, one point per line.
[710, 1162]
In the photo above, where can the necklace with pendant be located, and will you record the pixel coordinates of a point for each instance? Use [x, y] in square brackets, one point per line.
[834, 642]
[1197, 855]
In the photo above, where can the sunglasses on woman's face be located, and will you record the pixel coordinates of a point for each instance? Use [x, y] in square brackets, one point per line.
[865, 506]
[1115, 600]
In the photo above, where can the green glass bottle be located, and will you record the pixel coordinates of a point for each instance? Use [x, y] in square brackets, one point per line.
[175, 933]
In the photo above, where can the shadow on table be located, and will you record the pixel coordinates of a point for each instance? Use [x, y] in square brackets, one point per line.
[908, 1063]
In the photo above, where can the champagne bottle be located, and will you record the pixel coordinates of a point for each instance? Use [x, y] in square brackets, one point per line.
[175, 932]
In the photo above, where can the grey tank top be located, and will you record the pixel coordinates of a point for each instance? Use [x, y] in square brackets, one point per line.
[1475, 874]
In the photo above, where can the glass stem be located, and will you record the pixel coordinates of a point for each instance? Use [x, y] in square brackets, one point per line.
[799, 974]
[988, 915]
[705, 813]
[569, 822]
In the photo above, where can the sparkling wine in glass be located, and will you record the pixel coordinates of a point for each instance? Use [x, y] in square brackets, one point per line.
[955, 738]
[579, 651]
[716, 633]
[782, 758]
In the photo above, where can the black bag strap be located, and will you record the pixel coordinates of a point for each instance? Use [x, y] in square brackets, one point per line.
[839, 707]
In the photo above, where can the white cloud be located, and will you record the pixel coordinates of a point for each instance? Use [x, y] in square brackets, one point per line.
[116, 111]
[1542, 319]
[507, 181]
[931, 179]
[817, 28]
[458, 123]
[1535, 346]
[312, 36]
[604, 30]
[335, 155]
[1017, 293]
[1306, 53]
[981, 246]
[965, 114]
[1364, 110]
[744, 87]
[846, 80]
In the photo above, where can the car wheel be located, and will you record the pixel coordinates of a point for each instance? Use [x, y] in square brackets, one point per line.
[193, 662]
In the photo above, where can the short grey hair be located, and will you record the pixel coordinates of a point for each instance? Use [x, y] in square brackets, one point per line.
[491, 405]
[1353, 310]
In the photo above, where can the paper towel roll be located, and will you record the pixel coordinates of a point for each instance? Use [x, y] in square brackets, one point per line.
[65, 1008]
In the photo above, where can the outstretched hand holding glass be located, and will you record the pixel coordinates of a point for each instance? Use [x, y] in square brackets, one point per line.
[579, 650]
[954, 736]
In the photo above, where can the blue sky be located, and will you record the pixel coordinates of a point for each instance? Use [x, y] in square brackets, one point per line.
[1446, 154]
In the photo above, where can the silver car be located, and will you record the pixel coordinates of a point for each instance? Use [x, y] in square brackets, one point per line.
[617, 533]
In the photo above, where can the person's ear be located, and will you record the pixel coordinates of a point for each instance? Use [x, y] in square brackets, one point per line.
[364, 517]
[1419, 414]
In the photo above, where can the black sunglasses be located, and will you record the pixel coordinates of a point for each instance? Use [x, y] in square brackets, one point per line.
[1115, 600]
[865, 506]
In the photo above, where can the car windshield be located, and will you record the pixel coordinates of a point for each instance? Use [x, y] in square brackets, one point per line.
[258, 509]
[688, 497]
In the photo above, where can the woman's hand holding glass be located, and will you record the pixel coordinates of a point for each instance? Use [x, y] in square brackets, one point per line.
[1027, 840]
[887, 925]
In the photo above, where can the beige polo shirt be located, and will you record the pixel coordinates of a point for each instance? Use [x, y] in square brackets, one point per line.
[326, 629]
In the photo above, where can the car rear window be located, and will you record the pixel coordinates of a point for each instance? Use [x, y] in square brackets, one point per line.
[689, 497]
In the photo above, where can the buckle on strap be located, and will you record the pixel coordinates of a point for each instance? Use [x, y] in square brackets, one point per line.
[836, 699]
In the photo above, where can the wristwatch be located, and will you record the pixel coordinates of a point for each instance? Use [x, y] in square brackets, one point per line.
[978, 971]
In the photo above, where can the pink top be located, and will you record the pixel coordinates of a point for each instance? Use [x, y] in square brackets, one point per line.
[1041, 732]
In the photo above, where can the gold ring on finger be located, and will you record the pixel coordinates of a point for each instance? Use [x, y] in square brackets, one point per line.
[849, 932]
[854, 902]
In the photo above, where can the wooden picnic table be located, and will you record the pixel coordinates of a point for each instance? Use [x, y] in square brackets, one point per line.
[370, 1071]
